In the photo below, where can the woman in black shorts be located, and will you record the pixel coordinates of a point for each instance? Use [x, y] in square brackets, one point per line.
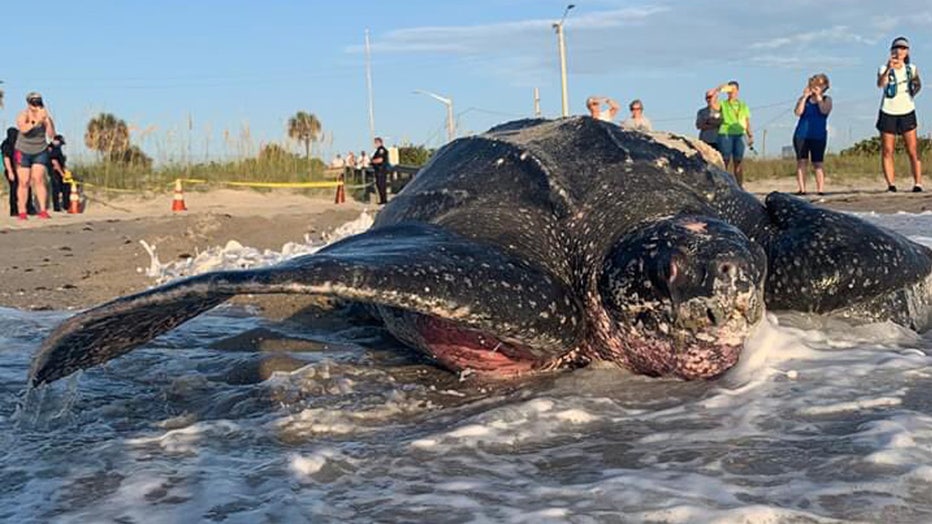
[900, 83]
[811, 134]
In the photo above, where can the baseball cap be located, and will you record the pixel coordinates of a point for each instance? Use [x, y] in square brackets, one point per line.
[33, 95]
[900, 41]
[59, 138]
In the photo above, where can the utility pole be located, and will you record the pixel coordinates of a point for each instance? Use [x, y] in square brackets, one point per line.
[537, 102]
[561, 43]
[763, 146]
[369, 88]
[451, 123]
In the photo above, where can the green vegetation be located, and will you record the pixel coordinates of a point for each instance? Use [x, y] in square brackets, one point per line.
[861, 160]
[411, 155]
[305, 128]
[121, 165]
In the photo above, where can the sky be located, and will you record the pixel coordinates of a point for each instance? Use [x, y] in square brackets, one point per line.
[212, 79]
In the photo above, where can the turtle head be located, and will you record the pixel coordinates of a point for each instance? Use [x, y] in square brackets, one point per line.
[681, 295]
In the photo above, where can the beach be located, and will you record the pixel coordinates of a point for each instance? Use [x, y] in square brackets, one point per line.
[73, 261]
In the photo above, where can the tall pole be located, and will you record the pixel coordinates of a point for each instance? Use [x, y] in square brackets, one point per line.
[451, 126]
[561, 43]
[537, 102]
[451, 123]
[369, 88]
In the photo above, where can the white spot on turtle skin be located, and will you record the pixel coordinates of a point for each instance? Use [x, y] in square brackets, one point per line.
[500, 161]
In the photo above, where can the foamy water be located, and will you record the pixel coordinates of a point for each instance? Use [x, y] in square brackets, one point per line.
[819, 421]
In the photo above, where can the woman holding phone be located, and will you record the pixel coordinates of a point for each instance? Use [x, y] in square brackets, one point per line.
[811, 134]
[35, 127]
[899, 80]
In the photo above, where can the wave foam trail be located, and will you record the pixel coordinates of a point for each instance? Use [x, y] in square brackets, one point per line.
[236, 256]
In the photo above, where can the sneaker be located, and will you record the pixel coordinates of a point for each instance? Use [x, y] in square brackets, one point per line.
[800, 193]
[820, 193]
[917, 189]
[22, 216]
[891, 188]
[44, 214]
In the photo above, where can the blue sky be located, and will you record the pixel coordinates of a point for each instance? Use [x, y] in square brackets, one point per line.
[218, 78]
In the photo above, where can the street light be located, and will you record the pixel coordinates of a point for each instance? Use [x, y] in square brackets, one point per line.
[561, 43]
[451, 125]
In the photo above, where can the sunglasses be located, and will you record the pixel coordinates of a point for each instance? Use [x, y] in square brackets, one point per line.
[638, 108]
[35, 102]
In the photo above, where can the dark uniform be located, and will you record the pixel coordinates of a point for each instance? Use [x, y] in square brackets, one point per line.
[61, 191]
[9, 151]
[381, 172]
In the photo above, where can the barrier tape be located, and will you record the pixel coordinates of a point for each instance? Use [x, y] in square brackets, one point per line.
[108, 189]
[293, 185]
[284, 184]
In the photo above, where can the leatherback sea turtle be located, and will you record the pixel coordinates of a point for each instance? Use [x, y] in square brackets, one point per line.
[551, 244]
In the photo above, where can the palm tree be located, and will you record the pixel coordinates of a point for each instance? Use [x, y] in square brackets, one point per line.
[107, 134]
[304, 127]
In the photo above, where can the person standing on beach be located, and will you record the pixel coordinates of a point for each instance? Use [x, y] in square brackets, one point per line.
[899, 80]
[736, 122]
[594, 105]
[61, 188]
[637, 121]
[811, 134]
[9, 168]
[708, 121]
[35, 126]
[380, 166]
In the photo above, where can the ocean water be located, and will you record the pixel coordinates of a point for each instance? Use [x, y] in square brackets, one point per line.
[819, 422]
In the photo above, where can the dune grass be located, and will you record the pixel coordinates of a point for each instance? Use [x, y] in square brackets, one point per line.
[839, 167]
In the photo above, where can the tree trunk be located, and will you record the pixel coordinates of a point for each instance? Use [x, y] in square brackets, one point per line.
[307, 154]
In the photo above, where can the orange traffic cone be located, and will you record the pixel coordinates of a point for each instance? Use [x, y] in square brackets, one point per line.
[341, 192]
[74, 201]
[178, 201]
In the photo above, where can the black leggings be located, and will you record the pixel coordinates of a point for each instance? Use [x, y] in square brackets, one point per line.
[14, 210]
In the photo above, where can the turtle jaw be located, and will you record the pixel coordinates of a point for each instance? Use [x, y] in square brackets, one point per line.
[701, 338]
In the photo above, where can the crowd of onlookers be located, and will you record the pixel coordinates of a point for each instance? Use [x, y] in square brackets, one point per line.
[32, 151]
[363, 164]
[725, 123]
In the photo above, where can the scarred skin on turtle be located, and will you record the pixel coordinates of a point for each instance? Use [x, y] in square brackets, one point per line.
[545, 245]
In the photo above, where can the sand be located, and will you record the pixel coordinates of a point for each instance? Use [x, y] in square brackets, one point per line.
[75, 261]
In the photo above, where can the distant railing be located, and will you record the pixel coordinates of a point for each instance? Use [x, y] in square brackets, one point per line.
[361, 182]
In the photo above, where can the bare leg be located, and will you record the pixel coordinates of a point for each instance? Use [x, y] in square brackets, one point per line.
[801, 168]
[739, 173]
[22, 189]
[38, 185]
[819, 177]
[887, 143]
[915, 165]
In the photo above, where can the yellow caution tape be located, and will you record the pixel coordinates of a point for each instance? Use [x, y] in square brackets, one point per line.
[109, 189]
[284, 184]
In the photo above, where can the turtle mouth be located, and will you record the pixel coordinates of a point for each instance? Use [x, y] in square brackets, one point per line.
[464, 350]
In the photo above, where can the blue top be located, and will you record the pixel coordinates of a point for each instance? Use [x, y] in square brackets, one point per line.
[812, 123]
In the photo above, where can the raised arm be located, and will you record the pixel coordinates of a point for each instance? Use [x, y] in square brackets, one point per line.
[612, 107]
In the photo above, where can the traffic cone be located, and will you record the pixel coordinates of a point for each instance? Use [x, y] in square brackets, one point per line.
[341, 192]
[178, 201]
[74, 201]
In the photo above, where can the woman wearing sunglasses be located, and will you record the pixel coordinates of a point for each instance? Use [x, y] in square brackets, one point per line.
[35, 128]
[900, 83]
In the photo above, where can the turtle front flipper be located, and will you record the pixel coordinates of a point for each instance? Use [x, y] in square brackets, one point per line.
[422, 270]
[825, 261]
